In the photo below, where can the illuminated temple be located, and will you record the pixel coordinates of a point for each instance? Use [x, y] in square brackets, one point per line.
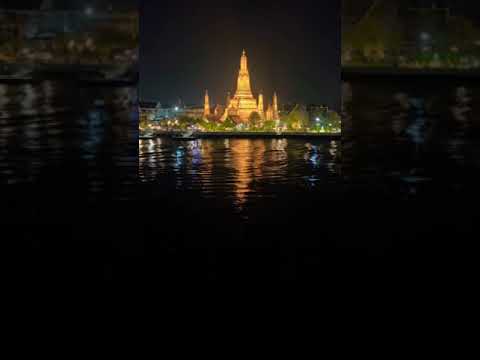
[243, 104]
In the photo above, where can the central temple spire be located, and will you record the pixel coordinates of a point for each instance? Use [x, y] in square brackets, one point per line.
[243, 62]
[243, 104]
[243, 83]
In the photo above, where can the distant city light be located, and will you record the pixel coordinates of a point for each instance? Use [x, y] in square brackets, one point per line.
[317, 119]
[176, 108]
[425, 36]
[89, 11]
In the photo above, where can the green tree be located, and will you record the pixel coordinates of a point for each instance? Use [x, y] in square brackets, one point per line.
[255, 120]
[333, 121]
[210, 125]
[184, 122]
[268, 125]
[229, 124]
[297, 119]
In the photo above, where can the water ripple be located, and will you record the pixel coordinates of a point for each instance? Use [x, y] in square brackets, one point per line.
[238, 169]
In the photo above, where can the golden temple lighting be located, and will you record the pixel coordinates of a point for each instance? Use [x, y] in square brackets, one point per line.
[243, 104]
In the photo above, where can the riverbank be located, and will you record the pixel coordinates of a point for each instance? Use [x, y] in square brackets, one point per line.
[246, 134]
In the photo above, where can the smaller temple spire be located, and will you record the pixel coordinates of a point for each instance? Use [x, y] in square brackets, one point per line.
[275, 107]
[261, 108]
[206, 107]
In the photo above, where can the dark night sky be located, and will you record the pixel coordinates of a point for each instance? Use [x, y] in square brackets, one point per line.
[67, 4]
[293, 47]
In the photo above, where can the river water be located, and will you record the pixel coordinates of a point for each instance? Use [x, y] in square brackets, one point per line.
[239, 173]
[410, 160]
[67, 141]
[412, 138]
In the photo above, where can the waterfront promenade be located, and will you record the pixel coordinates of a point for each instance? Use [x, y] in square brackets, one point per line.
[248, 134]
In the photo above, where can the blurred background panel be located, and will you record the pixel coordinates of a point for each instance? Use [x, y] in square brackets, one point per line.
[68, 102]
[411, 99]
[69, 33]
[393, 34]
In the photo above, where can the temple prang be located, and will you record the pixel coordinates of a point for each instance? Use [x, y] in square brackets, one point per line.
[243, 104]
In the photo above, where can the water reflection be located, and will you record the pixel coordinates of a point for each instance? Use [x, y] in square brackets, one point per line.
[461, 107]
[242, 170]
[51, 132]
[409, 138]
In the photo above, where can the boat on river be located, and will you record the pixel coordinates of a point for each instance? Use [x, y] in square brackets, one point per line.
[186, 136]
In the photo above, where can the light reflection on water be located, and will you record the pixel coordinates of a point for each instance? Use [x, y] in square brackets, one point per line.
[73, 137]
[410, 138]
[243, 170]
